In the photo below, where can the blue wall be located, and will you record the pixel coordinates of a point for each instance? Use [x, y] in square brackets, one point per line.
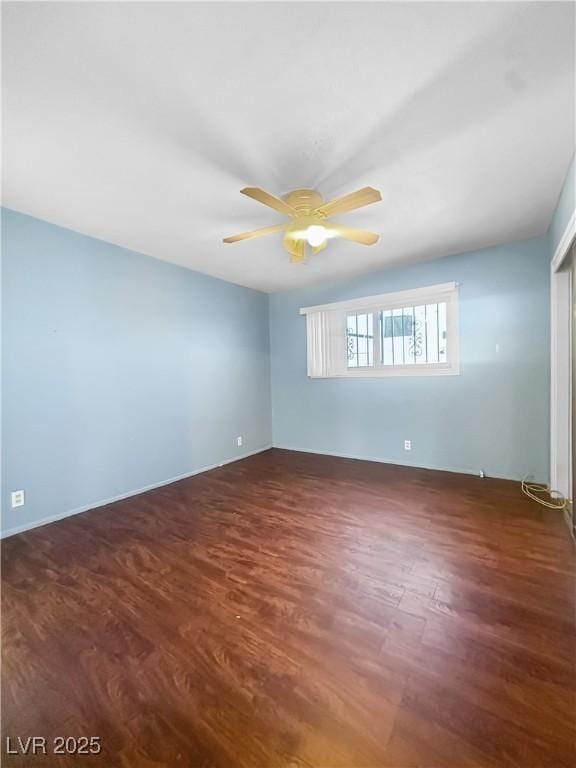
[493, 416]
[120, 371]
[564, 210]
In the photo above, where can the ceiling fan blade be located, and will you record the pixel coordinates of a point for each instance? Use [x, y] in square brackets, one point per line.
[270, 200]
[350, 202]
[356, 235]
[296, 247]
[256, 233]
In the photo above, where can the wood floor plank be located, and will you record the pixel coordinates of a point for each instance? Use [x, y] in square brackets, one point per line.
[297, 611]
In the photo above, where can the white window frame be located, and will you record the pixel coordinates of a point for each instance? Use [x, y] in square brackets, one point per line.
[326, 334]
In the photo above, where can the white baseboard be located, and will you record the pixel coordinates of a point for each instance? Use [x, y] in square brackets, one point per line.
[94, 505]
[379, 460]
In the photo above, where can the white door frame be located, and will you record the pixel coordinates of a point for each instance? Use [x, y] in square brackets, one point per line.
[560, 360]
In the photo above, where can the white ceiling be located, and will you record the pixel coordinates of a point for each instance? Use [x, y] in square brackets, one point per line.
[139, 123]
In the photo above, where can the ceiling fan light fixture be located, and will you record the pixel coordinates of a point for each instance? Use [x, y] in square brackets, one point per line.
[316, 235]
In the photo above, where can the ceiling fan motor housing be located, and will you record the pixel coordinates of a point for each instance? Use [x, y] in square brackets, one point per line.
[304, 200]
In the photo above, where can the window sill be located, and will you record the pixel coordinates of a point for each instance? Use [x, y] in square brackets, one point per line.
[400, 370]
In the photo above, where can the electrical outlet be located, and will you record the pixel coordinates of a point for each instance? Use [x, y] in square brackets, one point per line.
[17, 499]
[239, 441]
[407, 445]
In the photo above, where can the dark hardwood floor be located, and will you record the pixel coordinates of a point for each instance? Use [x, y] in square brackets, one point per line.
[294, 610]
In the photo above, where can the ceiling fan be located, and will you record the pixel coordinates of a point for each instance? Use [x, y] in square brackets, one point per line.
[309, 216]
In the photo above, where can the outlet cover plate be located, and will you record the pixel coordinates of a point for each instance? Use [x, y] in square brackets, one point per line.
[17, 499]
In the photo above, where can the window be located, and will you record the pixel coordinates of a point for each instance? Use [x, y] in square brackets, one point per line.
[405, 333]
[360, 340]
[414, 335]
